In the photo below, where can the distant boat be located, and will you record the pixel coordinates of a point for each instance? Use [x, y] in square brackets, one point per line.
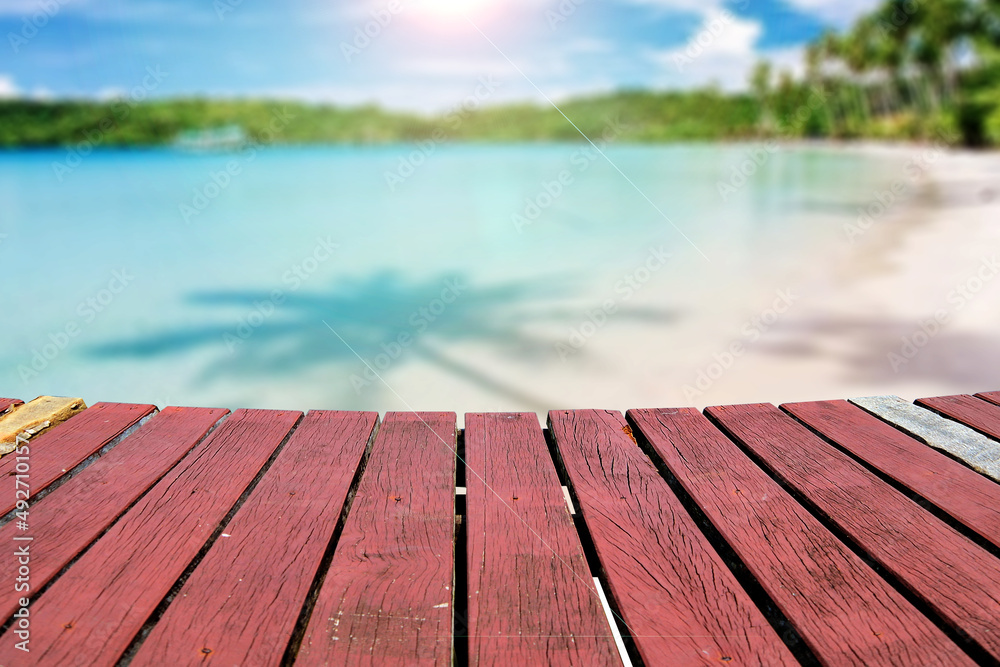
[226, 138]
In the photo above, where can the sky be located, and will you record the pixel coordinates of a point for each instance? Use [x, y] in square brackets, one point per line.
[421, 55]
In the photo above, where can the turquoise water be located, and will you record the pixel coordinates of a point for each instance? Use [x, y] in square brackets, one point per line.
[158, 276]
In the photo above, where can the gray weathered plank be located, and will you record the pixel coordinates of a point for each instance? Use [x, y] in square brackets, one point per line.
[975, 449]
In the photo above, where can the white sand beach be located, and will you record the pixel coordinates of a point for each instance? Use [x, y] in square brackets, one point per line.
[906, 302]
[908, 306]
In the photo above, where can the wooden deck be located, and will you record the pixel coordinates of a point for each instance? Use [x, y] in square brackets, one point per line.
[835, 533]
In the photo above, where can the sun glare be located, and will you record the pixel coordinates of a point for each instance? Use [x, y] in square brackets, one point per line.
[452, 9]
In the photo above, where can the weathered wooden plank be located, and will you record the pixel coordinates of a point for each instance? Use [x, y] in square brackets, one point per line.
[63, 523]
[958, 579]
[532, 598]
[978, 451]
[262, 568]
[967, 496]
[387, 597]
[8, 403]
[30, 420]
[991, 396]
[845, 612]
[58, 451]
[974, 413]
[93, 611]
[680, 602]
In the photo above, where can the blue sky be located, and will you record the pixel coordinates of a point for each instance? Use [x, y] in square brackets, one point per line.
[430, 54]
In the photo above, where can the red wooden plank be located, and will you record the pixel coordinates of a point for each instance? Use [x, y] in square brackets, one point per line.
[967, 496]
[991, 396]
[63, 523]
[92, 612]
[958, 579]
[676, 595]
[843, 610]
[387, 597]
[532, 598]
[56, 452]
[980, 415]
[7, 403]
[263, 570]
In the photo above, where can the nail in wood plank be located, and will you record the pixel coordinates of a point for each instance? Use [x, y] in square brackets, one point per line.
[387, 598]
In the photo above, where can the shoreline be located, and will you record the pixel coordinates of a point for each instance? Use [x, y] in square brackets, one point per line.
[910, 308]
[859, 146]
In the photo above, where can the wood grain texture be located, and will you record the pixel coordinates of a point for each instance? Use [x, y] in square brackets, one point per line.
[845, 612]
[240, 605]
[388, 595]
[32, 419]
[681, 603]
[61, 449]
[67, 520]
[974, 413]
[93, 611]
[8, 403]
[967, 496]
[991, 396]
[975, 449]
[958, 579]
[532, 598]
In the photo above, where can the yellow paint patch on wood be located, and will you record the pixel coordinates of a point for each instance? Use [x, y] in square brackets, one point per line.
[29, 420]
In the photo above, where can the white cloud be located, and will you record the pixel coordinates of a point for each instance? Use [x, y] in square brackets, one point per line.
[722, 51]
[837, 12]
[7, 87]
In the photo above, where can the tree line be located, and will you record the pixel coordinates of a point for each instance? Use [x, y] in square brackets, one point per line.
[910, 70]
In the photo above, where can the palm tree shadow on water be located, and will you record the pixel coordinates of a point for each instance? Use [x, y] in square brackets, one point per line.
[269, 333]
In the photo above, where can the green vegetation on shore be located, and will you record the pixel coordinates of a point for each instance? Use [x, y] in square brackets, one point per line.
[642, 116]
[912, 69]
